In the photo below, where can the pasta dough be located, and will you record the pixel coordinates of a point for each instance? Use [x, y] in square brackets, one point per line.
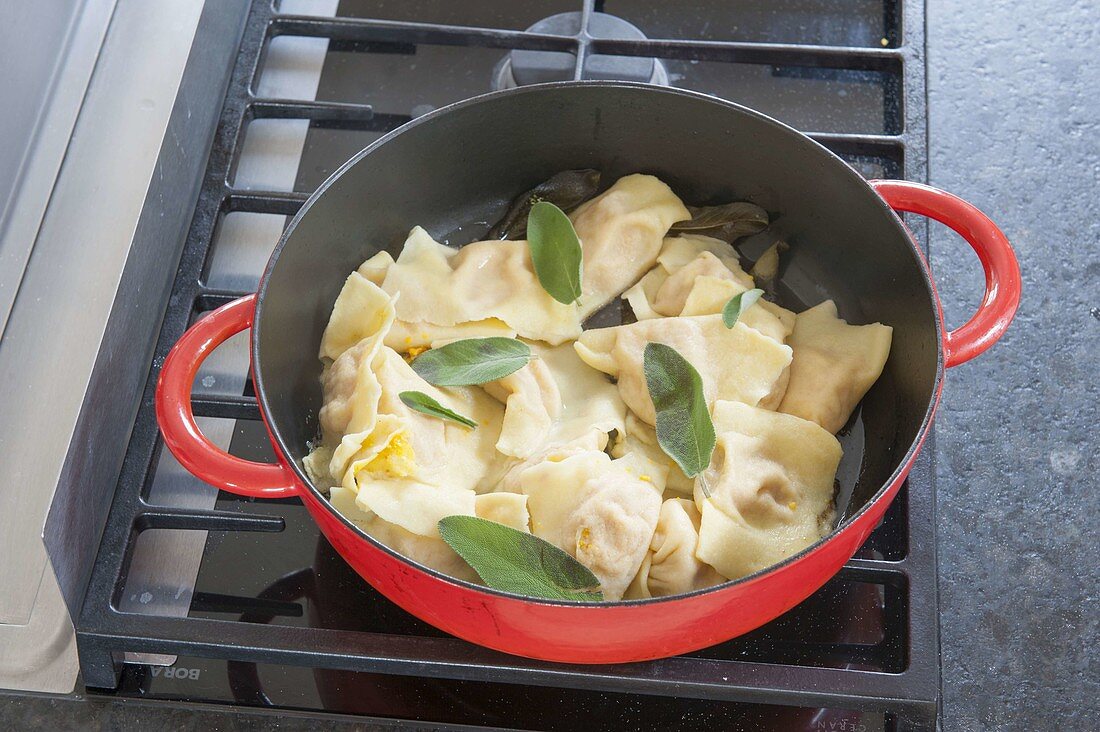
[408, 468]
[404, 336]
[621, 233]
[509, 509]
[488, 279]
[593, 508]
[432, 552]
[671, 567]
[555, 399]
[376, 267]
[639, 438]
[594, 440]
[361, 310]
[532, 403]
[709, 295]
[834, 365]
[679, 251]
[735, 363]
[672, 295]
[409, 337]
[653, 297]
[588, 400]
[771, 488]
[413, 469]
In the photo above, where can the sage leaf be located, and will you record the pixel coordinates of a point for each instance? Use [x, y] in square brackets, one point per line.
[515, 561]
[566, 190]
[472, 361]
[730, 221]
[738, 304]
[555, 252]
[421, 402]
[684, 428]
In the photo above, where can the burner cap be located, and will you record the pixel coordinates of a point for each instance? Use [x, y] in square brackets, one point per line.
[535, 67]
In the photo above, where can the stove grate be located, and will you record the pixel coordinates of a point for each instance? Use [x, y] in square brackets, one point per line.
[900, 556]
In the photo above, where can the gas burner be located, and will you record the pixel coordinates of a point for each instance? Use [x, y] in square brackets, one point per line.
[521, 67]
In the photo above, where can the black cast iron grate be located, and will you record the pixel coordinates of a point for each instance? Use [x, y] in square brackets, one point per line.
[899, 558]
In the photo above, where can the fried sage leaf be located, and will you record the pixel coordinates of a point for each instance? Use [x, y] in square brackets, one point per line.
[684, 428]
[421, 402]
[566, 190]
[472, 361]
[738, 304]
[515, 561]
[555, 252]
[729, 221]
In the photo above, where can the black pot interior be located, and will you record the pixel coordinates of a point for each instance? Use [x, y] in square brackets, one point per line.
[454, 172]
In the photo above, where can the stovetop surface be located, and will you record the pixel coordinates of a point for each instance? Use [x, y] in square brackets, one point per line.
[875, 621]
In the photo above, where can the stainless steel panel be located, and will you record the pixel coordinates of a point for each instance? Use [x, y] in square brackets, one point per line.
[65, 295]
[140, 120]
[47, 51]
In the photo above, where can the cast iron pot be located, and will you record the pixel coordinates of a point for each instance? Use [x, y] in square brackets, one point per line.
[462, 164]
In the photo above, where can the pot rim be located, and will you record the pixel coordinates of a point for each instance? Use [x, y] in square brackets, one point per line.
[797, 137]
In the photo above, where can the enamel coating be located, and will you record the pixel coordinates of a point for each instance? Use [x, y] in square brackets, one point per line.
[572, 632]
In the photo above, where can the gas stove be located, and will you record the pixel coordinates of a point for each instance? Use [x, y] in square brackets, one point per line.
[191, 595]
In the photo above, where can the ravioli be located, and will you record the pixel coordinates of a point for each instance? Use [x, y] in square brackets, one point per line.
[653, 296]
[640, 438]
[442, 286]
[432, 552]
[771, 488]
[595, 509]
[408, 468]
[621, 233]
[554, 399]
[404, 336]
[509, 509]
[834, 365]
[671, 567]
[361, 310]
[709, 295]
[735, 363]
[565, 447]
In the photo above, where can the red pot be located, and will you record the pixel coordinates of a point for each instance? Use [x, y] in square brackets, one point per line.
[461, 164]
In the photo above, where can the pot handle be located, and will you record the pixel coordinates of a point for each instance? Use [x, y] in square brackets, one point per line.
[201, 457]
[1002, 271]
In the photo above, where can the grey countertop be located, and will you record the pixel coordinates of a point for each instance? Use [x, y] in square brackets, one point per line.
[1014, 99]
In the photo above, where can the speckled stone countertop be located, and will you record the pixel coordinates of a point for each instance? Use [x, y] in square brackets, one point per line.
[1014, 100]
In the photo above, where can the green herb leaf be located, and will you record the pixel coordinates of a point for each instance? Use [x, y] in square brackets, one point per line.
[566, 190]
[555, 251]
[737, 306]
[472, 361]
[421, 402]
[684, 428]
[515, 561]
[730, 220]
